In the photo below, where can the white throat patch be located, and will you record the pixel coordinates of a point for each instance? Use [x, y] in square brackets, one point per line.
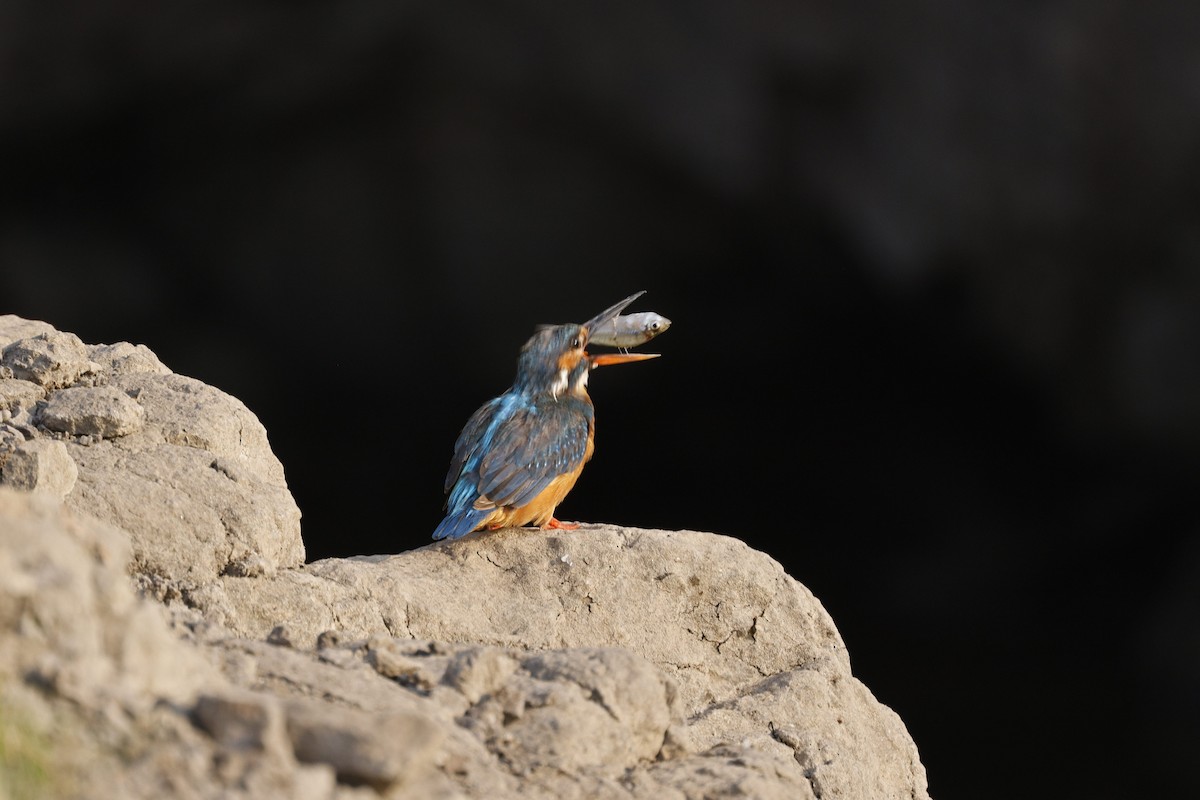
[560, 384]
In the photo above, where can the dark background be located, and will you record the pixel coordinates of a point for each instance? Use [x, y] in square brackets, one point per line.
[932, 269]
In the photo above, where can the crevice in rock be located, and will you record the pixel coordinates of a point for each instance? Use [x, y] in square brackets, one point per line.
[597, 697]
[217, 466]
[495, 563]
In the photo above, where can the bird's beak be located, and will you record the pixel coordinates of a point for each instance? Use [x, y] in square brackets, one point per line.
[620, 358]
[608, 315]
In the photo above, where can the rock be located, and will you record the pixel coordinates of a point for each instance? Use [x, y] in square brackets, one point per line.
[184, 412]
[741, 681]
[16, 394]
[390, 658]
[13, 327]
[478, 672]
[51, 359]
[102, 411]
[183, 468]
[847, 744]
[281, 636]
[41, 466]
[724, 678]
[65, 598]
[729, 770]
[600, 711]
[326, 639]
[378, 750]
[97, 692]
[720, 603]
[609, 662]
[124, 358]
[187, 519]
[243, 720]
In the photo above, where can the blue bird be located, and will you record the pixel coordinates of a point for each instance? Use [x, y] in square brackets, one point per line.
[520, 453]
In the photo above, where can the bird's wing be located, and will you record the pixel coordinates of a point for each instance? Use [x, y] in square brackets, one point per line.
[530, 448]
[473, 437]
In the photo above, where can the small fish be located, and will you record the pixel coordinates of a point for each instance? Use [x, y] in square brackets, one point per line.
[630, 330]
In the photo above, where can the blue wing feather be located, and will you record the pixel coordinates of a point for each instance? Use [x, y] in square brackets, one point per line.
[533, 448]
[461, 483]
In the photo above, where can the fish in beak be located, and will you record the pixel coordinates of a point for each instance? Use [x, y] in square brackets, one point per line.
[608, 315]
[611, 313]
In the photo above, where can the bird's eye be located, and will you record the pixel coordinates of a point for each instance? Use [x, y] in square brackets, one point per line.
[576, 343]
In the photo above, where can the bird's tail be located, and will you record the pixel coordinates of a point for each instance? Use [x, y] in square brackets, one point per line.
[460, 524]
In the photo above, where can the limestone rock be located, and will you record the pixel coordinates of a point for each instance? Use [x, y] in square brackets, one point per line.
[188, 515]
[185, 469]
[664, 663]
[727, 614]
[65, 597]
[13, 327]
[52, 359]
[378, 750]
[123, 358]
[243, 720]
[100, 698]
[729, 681]
[41, 466]
[600, 710]
[16, 394]
[477, 672]
[101, 411]
[730, 770]
[607, 662]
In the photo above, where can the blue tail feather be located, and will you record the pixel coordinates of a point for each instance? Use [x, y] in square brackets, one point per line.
[459, 524]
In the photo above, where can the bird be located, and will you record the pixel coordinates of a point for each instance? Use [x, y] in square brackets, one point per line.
[520, 453]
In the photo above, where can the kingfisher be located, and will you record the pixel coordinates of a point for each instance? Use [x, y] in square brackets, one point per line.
[520, 453]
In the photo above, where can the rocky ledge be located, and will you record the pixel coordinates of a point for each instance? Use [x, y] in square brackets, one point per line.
[161, 635]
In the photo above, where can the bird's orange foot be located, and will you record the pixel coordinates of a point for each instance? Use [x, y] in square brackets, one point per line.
[496, 527]
[560, 525]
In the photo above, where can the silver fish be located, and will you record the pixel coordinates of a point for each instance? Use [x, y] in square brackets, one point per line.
[630, 330]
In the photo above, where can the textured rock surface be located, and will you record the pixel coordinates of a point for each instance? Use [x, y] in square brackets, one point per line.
[52, 359]
[100, 411]
[41, 466]
[716, 667]
[726, 615]
[183, 468]
[604, 663]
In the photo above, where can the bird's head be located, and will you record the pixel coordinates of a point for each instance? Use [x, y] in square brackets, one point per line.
[555, 359]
